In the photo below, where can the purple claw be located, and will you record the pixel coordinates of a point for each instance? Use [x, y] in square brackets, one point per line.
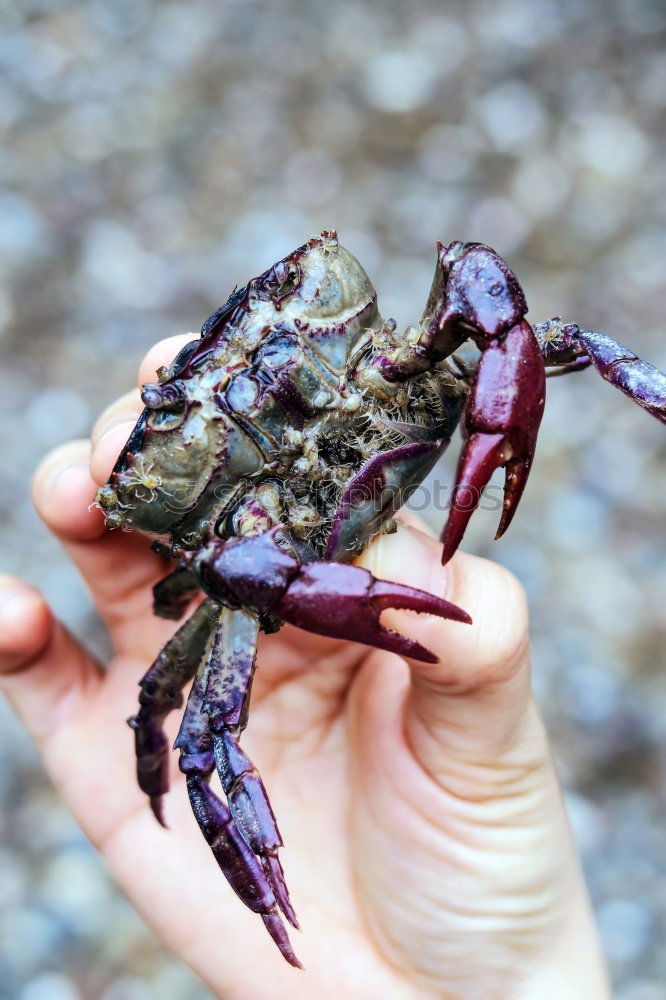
[346, 602]
[328, 598]
[501, 425]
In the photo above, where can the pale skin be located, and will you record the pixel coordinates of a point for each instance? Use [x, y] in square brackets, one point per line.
[427, 849]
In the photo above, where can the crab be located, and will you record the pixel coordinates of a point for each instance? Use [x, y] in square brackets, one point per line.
[270, 453]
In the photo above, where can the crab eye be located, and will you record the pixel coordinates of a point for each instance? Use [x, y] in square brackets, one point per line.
[163, 396]
[281, 281]
[281, 272]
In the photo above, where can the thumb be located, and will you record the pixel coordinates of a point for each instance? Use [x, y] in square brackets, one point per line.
[44, 671]
[494, 859]
[474, 704]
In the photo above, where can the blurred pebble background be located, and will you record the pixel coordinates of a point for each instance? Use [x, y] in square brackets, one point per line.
[157, 153]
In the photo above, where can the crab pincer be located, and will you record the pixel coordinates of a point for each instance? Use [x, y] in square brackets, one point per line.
[507, 396]
[501, 424]
[345, 602]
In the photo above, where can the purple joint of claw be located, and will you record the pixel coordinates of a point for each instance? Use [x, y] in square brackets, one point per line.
[269, 454]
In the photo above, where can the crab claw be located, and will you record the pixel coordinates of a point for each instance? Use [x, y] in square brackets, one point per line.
[502, 420]
[345, 602]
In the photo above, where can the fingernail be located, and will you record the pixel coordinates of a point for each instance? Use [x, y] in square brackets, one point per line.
[125, 421]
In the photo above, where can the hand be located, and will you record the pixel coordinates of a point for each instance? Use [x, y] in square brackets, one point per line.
[427, 851]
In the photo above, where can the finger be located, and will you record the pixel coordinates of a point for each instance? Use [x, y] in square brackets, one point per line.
[126, 409]
[119, 568]
[475, 699]
[106, 449]
[45, 672]
[63, 493]
[162, 353]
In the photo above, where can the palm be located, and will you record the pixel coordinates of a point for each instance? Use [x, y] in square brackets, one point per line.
[354, 801]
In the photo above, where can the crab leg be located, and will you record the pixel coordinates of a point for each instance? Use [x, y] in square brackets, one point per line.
[566, 344]
[229, 672]
[160, 694]
[172, 595]
[252, 813]
[502, 420]
[243, 836]
[236, 860]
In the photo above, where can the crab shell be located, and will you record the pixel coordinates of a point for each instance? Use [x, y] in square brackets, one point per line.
[204, 434]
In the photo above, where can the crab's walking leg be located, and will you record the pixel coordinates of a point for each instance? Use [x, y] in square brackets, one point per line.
[244, 836]
[566, 344]
[328, 598]
[252, 813]
[160, 693]
[172, 595]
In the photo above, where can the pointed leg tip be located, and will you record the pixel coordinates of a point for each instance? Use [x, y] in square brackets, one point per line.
[288, 910]
[275, 928]
[157, 806]
[275, 875]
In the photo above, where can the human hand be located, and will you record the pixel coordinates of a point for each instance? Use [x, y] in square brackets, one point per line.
[427, 851]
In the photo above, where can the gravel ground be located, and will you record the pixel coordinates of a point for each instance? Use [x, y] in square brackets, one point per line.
[155, 154]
